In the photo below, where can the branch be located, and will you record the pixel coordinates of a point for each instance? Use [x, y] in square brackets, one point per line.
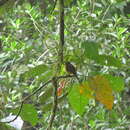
[65, 76]
[22, 102]
[27, 97]
[38, 89]
[54, 81]
[20, 109]
[61, 5]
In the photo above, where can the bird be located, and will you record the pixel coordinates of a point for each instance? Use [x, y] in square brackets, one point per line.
[71, 69]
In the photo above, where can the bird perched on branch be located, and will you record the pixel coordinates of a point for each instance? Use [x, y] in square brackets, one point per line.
[71, 69]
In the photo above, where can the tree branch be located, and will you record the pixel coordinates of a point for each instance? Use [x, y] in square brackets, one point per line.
[34, 92]
[61, 5]
[22, 102]
[54, 81]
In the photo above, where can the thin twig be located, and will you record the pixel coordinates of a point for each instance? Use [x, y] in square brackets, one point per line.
[22, 102]
[65, 76]
[20, 109]
[37, 90]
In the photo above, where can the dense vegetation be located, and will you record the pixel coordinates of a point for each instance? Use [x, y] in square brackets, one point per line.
[34, 46]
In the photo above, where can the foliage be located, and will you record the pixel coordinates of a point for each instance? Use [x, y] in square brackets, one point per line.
[96, 40]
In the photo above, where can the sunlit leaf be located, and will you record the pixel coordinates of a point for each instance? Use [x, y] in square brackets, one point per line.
[121, 30]
[85, 90]
[77, 100]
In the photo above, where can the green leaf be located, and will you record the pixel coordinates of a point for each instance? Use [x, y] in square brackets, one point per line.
[92, 123]
[77, 101]
[108, 61]
[29, 113]
[101, 59]
[112, 61]
[114, 115]
[91, 49]
[47, 107]
[117, 83]
[121, 30]
[32, 72]
[27, 5]
[111, 34]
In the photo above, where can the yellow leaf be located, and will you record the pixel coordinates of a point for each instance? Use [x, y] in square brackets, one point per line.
[85, 90]
[103, 92]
